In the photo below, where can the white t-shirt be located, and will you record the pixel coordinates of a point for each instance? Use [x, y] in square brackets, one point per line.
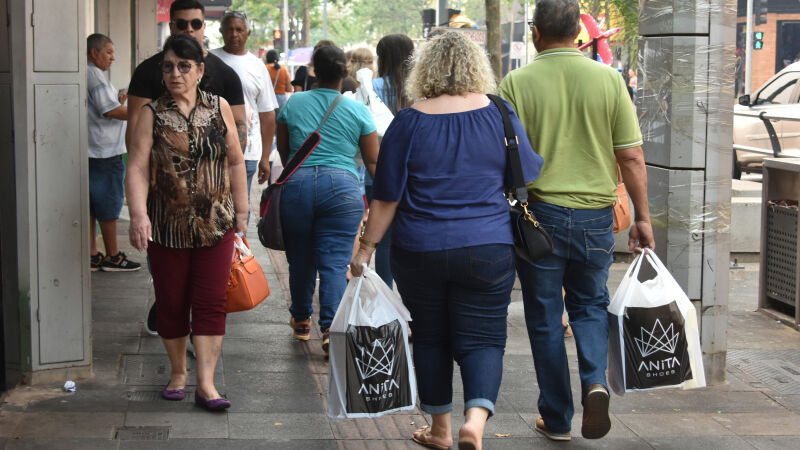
[259, 96]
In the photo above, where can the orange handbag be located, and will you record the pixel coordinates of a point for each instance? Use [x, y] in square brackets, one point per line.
[622, 209]
[247, 286]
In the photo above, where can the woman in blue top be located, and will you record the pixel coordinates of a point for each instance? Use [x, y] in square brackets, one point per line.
[394, 62]
[321, 203]
[441, 179]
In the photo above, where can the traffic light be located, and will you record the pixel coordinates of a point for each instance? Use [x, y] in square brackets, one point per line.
[761, 10]
[277, 39]
[428, 21]
[758, 40]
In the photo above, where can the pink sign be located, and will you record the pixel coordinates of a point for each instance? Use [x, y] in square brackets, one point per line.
[163, 10]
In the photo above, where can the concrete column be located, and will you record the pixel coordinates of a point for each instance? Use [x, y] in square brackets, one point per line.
[45, 242]
[686, 55]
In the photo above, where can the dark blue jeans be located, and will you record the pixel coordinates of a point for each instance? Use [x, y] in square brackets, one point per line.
[383, 252]
[458, 301]
[321, 208]
[583, 243]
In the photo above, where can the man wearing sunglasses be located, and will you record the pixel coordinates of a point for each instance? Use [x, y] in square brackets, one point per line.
[259, 95]
[187, 16]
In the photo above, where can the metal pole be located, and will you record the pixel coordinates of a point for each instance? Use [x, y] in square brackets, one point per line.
[285, 28]
[748, 49]
[325, 19]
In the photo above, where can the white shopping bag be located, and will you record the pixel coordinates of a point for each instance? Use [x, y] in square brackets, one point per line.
[365, 94]
[653, 340]
[371, 373]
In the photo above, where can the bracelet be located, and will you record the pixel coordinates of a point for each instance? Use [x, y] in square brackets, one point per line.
[367, 243]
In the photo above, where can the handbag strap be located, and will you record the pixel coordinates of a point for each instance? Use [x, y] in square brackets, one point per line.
[299, 157]
[512, 146]
[277, 77]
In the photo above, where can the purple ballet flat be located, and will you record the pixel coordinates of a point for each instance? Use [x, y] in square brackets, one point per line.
[173, 394]
[216, 404]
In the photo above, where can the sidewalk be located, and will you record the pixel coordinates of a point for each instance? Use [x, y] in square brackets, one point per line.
[278, 387]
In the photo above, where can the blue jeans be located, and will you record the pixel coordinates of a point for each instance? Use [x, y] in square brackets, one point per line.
[583, 243]
[383, 252]
[251, 167]
[321, 208]
[458, 301]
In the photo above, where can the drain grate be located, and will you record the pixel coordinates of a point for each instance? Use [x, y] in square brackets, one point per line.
[154, 396]
[142, 433]
[146, 370]
[778, 369]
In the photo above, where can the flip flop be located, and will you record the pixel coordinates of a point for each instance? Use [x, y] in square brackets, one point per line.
[421, 437]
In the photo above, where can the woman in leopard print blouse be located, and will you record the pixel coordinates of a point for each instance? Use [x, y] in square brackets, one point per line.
[187, 196]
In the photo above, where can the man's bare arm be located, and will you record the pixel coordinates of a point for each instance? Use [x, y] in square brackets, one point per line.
[634, 174]
[135, 105]
[119, 113]
[267, 133]
[240, 120]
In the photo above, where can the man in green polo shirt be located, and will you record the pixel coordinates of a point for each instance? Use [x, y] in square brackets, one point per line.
[580, 119]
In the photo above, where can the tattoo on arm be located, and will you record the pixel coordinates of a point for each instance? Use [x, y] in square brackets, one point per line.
[241, 128]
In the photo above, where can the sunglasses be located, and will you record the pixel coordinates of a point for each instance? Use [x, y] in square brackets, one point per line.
[530, 24]
[183, 67]
[183, 24]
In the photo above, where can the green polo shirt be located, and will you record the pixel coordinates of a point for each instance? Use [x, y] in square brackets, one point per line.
[576, 112]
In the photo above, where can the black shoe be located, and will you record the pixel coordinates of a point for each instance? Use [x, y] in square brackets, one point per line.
[96, 262]
[119, 263]
[151, 324]
[596, 422]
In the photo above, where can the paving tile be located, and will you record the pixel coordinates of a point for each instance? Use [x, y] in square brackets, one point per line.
[761, 424]
[700, 442]
[276, 363]
[229, 444]
[267, 382]
[676, 424]
[85, 399]
[383, 444]
[540, 442]
[790, 402]
[693, 401]
[618, 428]
[196, 424]
[261, 402]
[280, 426]
[398, 426]
[9, 420]
[57, 425]
[256, 349]
[772, 442]
[61, 444]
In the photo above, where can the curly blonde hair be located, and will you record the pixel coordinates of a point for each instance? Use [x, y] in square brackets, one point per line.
[450, 64]
[360, 58]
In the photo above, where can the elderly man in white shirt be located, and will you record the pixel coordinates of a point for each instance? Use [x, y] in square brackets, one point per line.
[107, 116]
[259, 96]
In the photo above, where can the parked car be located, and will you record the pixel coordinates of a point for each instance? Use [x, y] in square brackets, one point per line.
[779, 96]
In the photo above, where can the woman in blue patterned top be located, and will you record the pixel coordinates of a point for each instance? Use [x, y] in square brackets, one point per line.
[440, 182]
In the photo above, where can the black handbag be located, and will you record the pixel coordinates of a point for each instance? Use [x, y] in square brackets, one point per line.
[270, 230]
[531, 241]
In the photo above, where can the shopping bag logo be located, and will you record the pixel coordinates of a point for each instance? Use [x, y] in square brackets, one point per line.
[658, 339]
[377, 360]
[656, 352]
[377, 369]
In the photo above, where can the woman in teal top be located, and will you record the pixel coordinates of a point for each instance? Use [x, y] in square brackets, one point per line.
[321, 204]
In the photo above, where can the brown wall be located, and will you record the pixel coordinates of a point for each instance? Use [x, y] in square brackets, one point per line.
[764, 59]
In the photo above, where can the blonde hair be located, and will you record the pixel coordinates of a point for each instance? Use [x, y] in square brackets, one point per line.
[360, 58]
[450, 64]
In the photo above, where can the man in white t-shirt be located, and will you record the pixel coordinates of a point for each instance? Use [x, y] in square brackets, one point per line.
[259, 96]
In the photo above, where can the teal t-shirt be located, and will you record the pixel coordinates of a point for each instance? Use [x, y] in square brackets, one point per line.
[340, 134]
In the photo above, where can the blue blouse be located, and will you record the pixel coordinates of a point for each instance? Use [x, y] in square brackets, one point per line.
[448, 171]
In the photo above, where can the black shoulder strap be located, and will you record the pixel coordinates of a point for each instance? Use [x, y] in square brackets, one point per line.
[307, 147]
[512, 145]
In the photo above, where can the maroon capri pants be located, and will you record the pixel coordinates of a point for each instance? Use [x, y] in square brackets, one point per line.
[191, 279]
